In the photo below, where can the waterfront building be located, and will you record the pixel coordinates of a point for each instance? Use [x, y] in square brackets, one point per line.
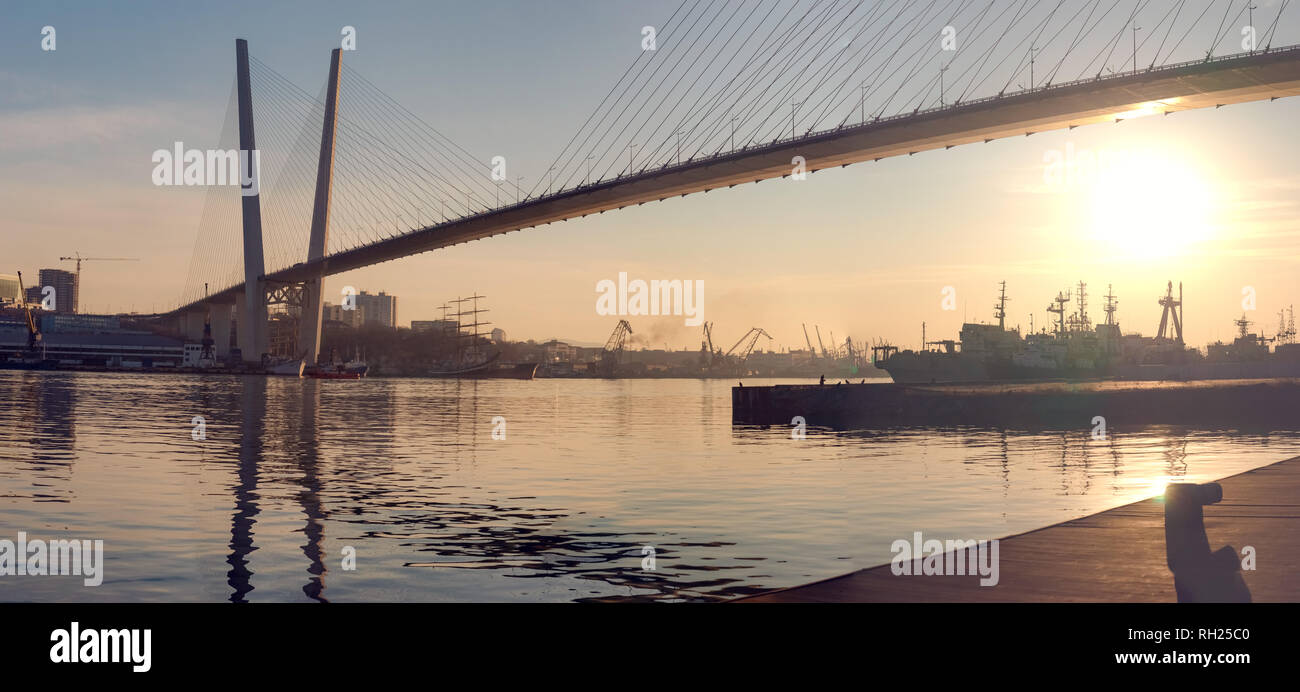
[65, 289]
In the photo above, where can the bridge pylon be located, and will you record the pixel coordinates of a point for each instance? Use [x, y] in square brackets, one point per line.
[310, 324]
[252, 308]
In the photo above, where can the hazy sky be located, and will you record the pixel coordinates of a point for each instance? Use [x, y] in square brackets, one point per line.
[1207, 197]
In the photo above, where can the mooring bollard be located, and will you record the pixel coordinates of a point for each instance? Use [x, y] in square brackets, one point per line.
[1200, 576]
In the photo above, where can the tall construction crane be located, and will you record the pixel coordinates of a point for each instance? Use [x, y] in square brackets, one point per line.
[613, 351]
[811, 352]
[76, 257]
[749, 340]
[819, 340]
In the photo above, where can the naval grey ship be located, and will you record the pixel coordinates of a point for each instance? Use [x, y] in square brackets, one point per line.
[1076, 349]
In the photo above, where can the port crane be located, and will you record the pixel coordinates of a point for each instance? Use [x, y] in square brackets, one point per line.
[749, 340]
[819, 340]
[34, 339]
[811, 352]
[707, 352]
[613, 351]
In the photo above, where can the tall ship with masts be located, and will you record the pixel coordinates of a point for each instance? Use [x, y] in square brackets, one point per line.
[470, 360]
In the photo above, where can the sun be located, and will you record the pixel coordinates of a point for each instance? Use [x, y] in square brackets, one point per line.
[1147, 205]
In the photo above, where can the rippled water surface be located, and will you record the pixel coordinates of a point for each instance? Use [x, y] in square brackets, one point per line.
[294, 473]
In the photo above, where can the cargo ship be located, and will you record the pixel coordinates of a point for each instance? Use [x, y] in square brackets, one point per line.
[1075, 349]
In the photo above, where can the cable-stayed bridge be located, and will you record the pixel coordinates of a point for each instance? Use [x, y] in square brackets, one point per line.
[728, 92]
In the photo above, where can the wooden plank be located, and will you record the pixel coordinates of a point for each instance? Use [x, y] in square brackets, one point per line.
[1114, 556]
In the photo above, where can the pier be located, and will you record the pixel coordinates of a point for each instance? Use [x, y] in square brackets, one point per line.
[1214, 403]
[1114, 556]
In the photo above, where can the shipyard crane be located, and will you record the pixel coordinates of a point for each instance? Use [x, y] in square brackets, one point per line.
[707, 353]
[819, 340]
[613, 351]
[33, 333]
[811, 352]
[749, 340]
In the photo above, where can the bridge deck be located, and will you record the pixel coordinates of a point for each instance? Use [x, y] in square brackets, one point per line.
[1169, 89]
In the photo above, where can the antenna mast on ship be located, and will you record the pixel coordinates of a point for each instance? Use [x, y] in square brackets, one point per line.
[1172, 308]
[1111, 305]
[1001, 311]
[1061, 300]
[1243, 324]
[1084, 324]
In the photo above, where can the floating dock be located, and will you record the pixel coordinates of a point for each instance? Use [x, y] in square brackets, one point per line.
[1214, 403]
[1116, 556]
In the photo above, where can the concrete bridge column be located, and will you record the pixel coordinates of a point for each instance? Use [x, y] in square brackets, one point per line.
[192, 326]
[221, 329]
[253, 325]
[309, 328]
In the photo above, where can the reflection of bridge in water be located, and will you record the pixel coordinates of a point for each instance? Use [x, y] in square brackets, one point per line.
[376, 166]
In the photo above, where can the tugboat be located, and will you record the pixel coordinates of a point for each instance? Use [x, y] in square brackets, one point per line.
[336, 370]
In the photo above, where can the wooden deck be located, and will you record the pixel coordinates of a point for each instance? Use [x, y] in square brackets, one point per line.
[1114, 556]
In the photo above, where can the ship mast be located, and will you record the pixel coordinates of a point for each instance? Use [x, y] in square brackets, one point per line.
[473, 324]
[1111, 305]
[1169, 305]
[1084, 324]
[1000, 311]
[1059, 308]
[1243, 324]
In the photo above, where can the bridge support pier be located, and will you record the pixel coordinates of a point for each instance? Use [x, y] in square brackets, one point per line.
[245, 337]
[220, 321]
[192, 326]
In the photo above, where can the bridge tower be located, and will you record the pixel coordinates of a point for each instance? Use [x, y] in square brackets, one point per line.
[253, 313]
[310, 324]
